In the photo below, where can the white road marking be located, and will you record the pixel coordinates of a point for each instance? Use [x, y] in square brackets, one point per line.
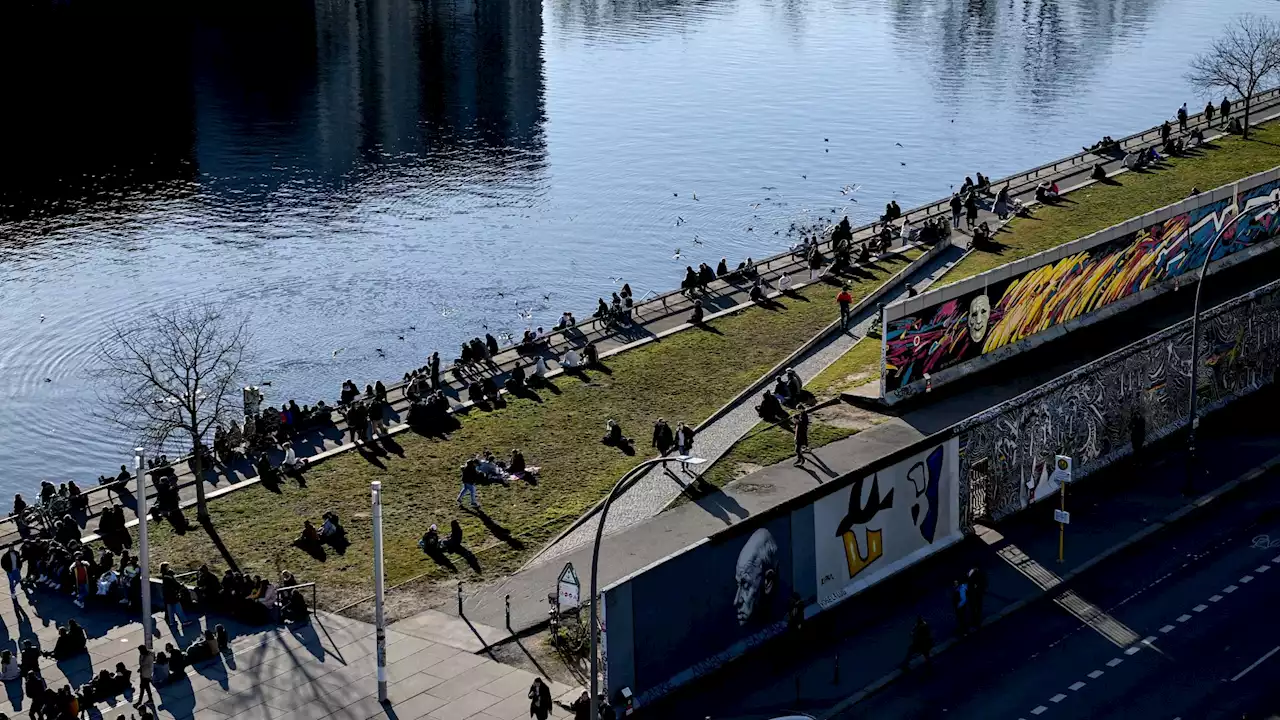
[1075, 686]
[1246, 579]
[1262, 568]
[1215, 598]
[1095, 674]
[1148, 639]
[1200, 608]
[1058, 698]
[1114, 662]
[1166, 628]
[1230, 589]
[1256, 663]
[1276, 559]
[1132, 650]
[1038, 710]
[1183, 618]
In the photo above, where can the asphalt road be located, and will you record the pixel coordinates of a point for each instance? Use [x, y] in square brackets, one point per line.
[1181, 625]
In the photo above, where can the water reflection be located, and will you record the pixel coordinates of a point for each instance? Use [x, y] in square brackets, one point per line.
[1038, 50]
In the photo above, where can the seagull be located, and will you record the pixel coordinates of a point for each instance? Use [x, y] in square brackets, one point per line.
[806, 177]
[401, 337]
[898, 144]
[413, 327]
[695, 196]
[696, 241]
[677, 255]
[902, 164]
[617, 280]
[755, 205]
[502, 294]
[675, 194]
[380, 352]
[42, 317]
[749, 229]
[335, 352]
[48, 379]
[826, 139]
[265, 383]
[768, 187]
[547, 296]
[679, 221]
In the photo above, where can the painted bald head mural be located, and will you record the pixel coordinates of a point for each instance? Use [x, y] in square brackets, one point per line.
[756, 574]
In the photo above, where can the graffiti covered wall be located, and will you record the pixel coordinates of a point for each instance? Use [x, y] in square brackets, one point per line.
[1087, 414]
[1000, 313]
[885, 521]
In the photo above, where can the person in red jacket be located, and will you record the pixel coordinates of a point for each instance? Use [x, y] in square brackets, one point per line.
[846, 304]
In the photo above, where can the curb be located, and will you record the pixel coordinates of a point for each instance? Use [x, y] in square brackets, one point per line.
[1168, 520]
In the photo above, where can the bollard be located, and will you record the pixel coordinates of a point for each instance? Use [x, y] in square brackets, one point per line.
[460, 598]
[508, 612]
[836, 680]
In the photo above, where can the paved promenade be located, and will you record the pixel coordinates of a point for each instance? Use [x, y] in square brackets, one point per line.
[325, 669]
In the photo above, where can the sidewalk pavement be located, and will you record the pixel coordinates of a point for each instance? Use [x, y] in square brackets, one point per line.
[628, 551]
[325, 669]
[863, 641]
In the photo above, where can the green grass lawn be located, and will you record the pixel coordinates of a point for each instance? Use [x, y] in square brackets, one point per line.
[684, 377]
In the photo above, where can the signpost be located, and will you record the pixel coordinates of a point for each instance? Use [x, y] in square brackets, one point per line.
[568, 589]
[1062, 474]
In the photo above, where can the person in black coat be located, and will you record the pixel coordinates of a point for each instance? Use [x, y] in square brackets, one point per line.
[802, 435]
[663, 440]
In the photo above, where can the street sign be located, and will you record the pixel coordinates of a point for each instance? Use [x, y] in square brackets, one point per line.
[1062, 516]
[568, 588]
[1061, 469]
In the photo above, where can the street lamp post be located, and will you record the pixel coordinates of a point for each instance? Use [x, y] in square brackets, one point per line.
[144, 553]
[378, 592]
[618, 487]
[1193, 422]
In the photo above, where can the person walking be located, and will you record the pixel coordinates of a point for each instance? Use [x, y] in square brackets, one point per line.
[921, 643]
[684, 443]
[539, 700]
[971, 209]
[1166, 131]
[956, 205]
[1182, 118]
[434, 365]
[802, 435]
[171, 591]
[977, 582]
[11, 561]
[845, 300]
[1225, 110]
[959, 603]
[815, 262]
[146, 666]
[469, 473]
[663, 439]
[1002, 203]
[1209, 109]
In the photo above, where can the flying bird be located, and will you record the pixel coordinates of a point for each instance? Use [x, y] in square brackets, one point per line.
[380, 352]
[695, 196]
[335, 352]
[898, 144]
[42, 317]
[401, 337]
[677, 255]
[806, 177]
[697, 240]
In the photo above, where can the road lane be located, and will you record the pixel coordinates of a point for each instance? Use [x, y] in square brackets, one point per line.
[1157, 631]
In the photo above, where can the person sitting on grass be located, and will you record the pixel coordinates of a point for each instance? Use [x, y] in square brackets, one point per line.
[332, 531]
[613, 435]
[310, 537]
[770, 409]
[591, 355]
[571, 360]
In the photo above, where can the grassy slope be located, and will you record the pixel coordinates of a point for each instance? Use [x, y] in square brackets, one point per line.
[684, 377]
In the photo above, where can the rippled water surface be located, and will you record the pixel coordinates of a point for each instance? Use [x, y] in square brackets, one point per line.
[345, 169]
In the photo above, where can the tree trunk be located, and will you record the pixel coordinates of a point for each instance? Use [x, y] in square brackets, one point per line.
[1248, 99]
[197, 468]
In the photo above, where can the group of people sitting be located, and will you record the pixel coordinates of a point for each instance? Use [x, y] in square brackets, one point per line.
[617, 310]
[248, 598]
[269, 428]
[72, 569]
[47, 703]
[484, 469]
[476, 353]
[330, 533]
[787, 390]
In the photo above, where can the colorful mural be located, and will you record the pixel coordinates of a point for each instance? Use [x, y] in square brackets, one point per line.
[1004, 313]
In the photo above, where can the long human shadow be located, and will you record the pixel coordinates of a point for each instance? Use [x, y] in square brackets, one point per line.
[497, 530]
[720, 505]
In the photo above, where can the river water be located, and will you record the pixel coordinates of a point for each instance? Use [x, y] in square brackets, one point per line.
[346, 170]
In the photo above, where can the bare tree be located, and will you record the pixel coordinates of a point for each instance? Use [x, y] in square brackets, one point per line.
[1243, 59]
[175, 373]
